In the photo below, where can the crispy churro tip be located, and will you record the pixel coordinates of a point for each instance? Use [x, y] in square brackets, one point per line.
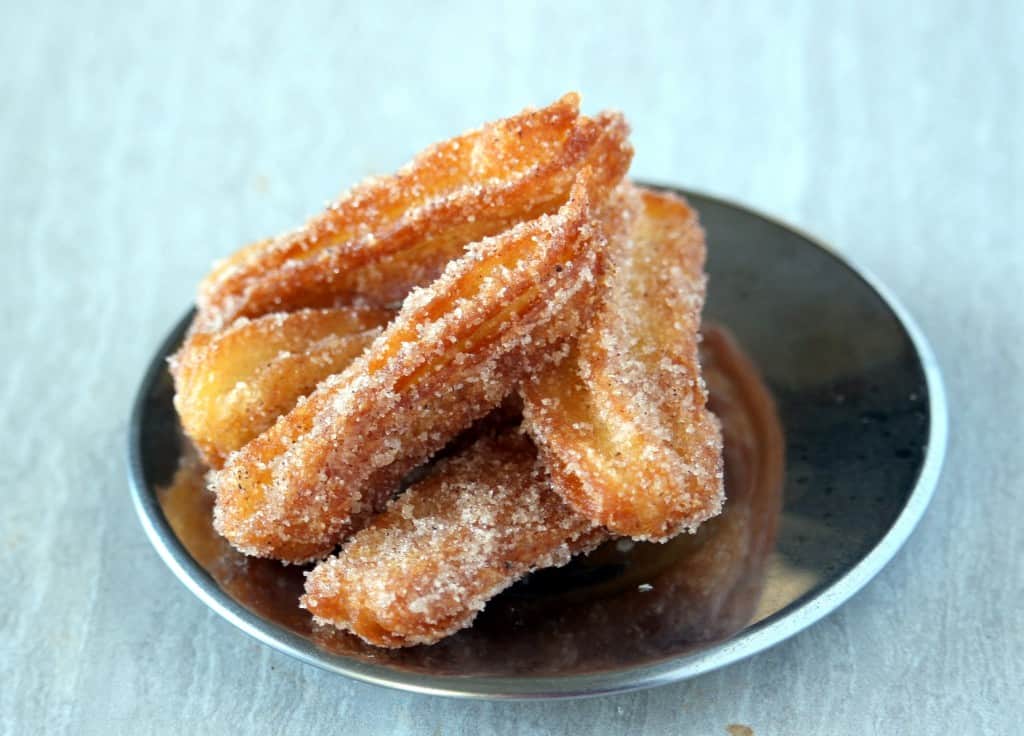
[232, 385]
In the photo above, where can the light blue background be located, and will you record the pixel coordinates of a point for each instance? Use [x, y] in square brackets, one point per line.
[139, 142]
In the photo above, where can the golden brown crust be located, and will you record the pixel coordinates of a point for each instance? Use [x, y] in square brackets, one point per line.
[499, 241]
[623, 423]
[390, 234]
[232, 385]
[454, 351]
[426, 566]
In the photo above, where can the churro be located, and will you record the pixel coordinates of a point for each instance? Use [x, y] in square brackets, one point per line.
[392, 233]
[232, 385]
[427, 565]
[509, 274]
[623, 423]
[455, 351]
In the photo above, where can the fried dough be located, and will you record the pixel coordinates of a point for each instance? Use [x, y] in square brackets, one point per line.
[427, 565]
[232, 385]
[455, 351]
[623, 423]
[392, 233]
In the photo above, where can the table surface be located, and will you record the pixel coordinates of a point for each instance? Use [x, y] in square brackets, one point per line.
[136, 146]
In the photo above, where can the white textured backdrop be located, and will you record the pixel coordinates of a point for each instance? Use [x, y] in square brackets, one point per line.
[139, 142]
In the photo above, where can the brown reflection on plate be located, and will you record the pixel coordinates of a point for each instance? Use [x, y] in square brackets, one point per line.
[624, 603]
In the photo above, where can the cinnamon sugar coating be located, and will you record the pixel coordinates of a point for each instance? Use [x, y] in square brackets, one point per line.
[530, 278]
[623, 423]
[392, 233]
[427, 565]
[232, 385]
[455, 350]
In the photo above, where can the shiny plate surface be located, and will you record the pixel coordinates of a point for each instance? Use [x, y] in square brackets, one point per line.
[835, 424]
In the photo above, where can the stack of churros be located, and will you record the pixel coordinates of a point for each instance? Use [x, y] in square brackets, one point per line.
[477, 367]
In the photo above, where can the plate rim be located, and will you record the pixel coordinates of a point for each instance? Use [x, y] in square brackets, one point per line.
[757, 638]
